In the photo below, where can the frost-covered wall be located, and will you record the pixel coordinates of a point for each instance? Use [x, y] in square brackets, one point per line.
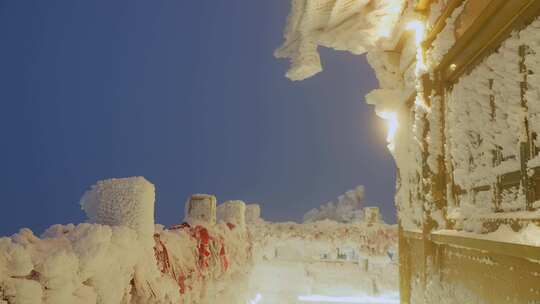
[490, 118]
[122, 257]
[92, 263]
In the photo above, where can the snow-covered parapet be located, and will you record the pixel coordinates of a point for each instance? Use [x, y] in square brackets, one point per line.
[122, 202]
[253, 213]
[232, 212]
[93, 263]
[188, 263]
[201, 209]
[87, 263]
[107, 261]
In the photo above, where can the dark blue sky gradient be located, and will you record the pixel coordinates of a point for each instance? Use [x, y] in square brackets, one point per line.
[185, 93]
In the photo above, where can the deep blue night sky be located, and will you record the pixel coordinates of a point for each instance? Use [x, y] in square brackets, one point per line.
[185, 93]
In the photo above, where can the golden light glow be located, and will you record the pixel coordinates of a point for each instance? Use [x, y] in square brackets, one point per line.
[391, 118]
[419, 29]
[392, 123]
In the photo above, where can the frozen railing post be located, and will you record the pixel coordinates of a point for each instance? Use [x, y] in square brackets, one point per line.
[122, 202]
[200, 209]
[253, 213]
[371, 215]
[233, 212]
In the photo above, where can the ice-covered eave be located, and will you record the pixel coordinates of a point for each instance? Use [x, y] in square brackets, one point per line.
[357, 26]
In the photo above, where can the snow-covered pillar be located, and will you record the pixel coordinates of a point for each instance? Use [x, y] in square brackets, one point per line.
[122, 202]
[253, 213]
[371, 215]
[201, 209]
[233, 212]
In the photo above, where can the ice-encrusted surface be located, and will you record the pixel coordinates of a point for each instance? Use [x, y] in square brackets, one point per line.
[348, 208]
[324, 259]
[351, 25]
[107, 260]
[122, 202]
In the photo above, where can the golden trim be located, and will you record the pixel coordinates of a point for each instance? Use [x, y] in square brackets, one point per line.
[486, 34]
[441, 22]
[494, 247]
[412, 234]
[423, 5]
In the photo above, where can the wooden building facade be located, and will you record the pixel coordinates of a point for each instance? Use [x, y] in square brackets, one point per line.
[483, 171]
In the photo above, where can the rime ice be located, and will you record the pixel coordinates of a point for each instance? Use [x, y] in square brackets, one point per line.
[122, 202]
[459, 90]
[122, 257]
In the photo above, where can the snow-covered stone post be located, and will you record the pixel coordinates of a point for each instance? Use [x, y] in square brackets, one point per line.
[122, 202]
[371, 215]
[253, 213]
[233, 212]
[201, 209]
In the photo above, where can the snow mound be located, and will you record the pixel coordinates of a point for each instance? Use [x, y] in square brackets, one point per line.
[347, 209]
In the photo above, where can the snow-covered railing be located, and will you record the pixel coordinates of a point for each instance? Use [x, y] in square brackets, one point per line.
[121, 256]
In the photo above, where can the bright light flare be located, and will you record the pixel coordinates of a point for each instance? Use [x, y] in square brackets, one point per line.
[257, 299]
[363, 299]
[392, 123]
[419, 29]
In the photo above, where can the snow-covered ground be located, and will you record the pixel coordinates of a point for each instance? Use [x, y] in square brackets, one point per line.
[324, 262]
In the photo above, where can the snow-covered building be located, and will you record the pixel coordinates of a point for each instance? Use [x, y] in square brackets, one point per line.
[460, 90]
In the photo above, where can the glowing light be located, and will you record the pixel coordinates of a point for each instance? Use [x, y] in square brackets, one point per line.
[392, 122]
[419, 29]
[257, 299]
[391, 298]
[420, 102]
